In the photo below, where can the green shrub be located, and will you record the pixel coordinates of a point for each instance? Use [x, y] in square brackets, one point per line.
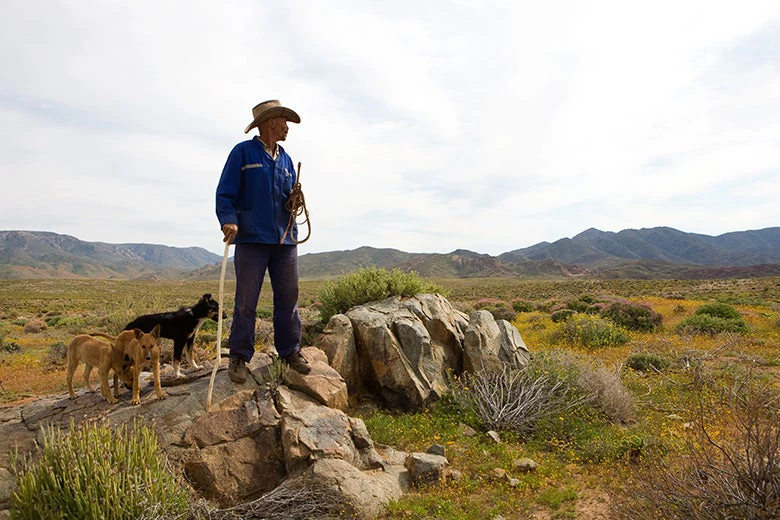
[632, 316]
[9, 345]
[96, 473]
[719, 310]
[589, 332]
[645, 362]
[368, 285]
[562, 315]
[582, 303]
[523, 306]
[713, 318]
[499, 309]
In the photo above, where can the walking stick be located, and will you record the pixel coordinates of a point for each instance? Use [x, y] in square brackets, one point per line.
[219, 325]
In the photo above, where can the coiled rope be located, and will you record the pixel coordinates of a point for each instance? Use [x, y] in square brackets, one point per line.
[296, 205]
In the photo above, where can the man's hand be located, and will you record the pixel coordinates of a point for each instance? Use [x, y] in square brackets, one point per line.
[230, 231]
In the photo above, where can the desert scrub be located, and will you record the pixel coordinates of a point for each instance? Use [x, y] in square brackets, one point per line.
[713, 318]
[632, 316]
[499, 309]
[727, 467]
[590, 332]
[599, 388]
[94, 472]
[513, 399]
[368, 285]
[562, 315]
[521, 305]
[645, 362]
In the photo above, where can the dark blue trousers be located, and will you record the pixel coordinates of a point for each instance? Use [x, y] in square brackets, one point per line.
[251, 262]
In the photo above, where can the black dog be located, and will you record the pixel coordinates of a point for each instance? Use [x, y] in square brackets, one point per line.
[181, 326]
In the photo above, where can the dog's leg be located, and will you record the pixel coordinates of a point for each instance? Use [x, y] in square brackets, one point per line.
[178, 347]
[73, 363]
[104, 390]
[87, 371]
[136, 384]
[116, 384]
[188, 353]
[157, 385]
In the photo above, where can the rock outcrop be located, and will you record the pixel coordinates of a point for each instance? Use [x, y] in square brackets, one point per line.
[267, 434]
[403, 351]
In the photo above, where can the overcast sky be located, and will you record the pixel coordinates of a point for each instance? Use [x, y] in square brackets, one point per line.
[427, 126]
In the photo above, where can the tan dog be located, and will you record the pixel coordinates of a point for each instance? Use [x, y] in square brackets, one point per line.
[95, 353]
[143, 350]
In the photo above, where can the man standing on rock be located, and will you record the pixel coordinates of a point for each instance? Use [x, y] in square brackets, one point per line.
[251, 207]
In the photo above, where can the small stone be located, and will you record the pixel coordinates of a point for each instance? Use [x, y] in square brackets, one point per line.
[467, 430]
[456, 475]
[493, 435]
[526, 465]
[514, 482]
[436, 449]
[499, 473]
[674, 417]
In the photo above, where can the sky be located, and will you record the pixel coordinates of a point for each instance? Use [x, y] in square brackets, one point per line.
[425, 126]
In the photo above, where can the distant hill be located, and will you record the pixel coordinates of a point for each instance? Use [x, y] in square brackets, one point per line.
[598, 249]
[41, 254]
[659, 252]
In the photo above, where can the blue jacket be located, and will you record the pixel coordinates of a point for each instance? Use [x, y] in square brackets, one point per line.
[253, 191]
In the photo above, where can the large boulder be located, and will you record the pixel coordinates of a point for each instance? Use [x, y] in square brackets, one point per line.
[406, 349]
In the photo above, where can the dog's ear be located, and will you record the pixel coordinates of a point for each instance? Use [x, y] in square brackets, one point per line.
[138, 333]
[156, 331]
[207, 296]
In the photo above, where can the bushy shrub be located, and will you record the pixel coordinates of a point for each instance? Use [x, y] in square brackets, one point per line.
[589, 332]
[582, 303]
[713, 318]
[596, 308]
[719, 310]
[600, 387]
[645, 362]
[368, 285]
[561, 315]
[94, 472]
[606, 392]
[34, 326]
[9, 345]
[632, 316]
[523, 306]
[513, 399]
[499, 309]
[552, 385]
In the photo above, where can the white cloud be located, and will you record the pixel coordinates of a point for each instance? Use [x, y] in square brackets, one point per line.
[425, 126]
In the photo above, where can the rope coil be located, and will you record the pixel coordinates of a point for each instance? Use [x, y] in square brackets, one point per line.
[296, 205]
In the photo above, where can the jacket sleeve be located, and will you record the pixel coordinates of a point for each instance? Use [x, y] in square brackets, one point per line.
[228, 188]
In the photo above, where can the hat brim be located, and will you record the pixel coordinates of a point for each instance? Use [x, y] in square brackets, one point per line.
[271, 113]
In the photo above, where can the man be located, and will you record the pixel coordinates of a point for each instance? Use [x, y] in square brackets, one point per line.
[251, 197]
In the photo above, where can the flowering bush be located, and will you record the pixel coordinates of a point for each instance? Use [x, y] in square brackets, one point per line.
[589, 332]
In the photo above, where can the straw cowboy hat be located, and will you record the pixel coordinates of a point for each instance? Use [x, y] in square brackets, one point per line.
[270, 109]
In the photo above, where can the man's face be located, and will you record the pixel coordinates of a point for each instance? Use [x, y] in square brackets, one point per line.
[278, 128]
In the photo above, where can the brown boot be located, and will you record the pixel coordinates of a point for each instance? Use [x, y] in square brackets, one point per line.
[297, 362]
[237, 371]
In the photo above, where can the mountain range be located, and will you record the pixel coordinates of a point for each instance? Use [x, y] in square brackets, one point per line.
[659, 252]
